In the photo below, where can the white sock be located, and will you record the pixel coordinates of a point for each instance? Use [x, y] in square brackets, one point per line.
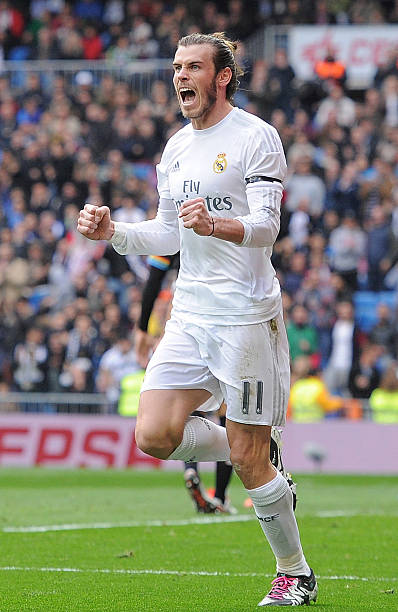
[273, 505]
[203, 440]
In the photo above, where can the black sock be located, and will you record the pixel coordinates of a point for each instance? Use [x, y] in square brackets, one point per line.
[223, 476]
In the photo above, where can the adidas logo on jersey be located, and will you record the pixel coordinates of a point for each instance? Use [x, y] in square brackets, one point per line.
[175, 167]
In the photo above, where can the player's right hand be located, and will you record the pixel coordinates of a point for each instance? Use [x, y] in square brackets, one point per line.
[95, 222]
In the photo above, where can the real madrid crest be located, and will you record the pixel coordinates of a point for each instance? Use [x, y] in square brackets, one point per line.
[221, 163]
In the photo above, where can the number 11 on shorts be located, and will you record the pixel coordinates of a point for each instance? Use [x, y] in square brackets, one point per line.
[259, 391]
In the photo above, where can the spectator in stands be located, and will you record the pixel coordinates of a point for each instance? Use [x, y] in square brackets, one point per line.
[30, 111]
[77, 376]
[302, 335]
[239, 25]
[344, 350]
[143, 46]
[301, 147]
[347, 244]
[383, 331]
[304, 184]
[280, 89]
[323, 13]
[318, 298]
[14, 272]
[299, 225]
[388, 68]
[30, 361]
[295, 272]
[114, 12]
[117, 362]
[344, 193]
[92, 43]
[364, 374]
[378, 183]
[11, 26]
[377, 248]
[56, 359]
[81, 338]
[8, 122]
[390, 99]
[70, 43]
[120, 51]
[373, 106]
[45, 46]
[89, 9]
[335, 107]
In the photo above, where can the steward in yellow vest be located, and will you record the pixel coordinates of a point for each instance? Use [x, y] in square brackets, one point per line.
[130, 387]
[309, 398]
[384, 400]
[384, 405]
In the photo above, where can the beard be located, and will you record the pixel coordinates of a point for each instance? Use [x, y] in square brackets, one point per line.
[209, 98]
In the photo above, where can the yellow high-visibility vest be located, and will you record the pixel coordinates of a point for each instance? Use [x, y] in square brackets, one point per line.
[384, 405]
[304, 400]
[130, 387]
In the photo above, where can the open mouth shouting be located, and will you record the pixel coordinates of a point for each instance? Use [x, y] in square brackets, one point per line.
[187, 96]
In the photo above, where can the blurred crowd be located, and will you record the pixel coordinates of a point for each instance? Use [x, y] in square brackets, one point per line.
[68, 306]
[128, 29]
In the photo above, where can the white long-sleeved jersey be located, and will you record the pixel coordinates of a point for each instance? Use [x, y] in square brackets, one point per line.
[218, 281]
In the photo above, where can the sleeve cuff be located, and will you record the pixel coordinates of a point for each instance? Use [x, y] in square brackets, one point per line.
[119, 235]
[246, 231]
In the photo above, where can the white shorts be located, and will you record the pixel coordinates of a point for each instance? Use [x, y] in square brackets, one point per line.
[247, 366]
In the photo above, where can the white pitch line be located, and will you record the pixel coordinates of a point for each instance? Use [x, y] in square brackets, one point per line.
[238, 518]
[161, 572]
[203, 520]
[335, 513]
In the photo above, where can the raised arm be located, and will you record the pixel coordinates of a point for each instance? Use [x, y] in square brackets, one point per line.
[158, 236]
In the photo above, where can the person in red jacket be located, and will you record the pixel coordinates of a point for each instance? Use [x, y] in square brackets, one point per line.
[92, 43]
[11, 25]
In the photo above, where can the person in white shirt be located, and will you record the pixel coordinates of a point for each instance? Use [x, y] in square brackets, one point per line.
[220, 187]
[117, 362]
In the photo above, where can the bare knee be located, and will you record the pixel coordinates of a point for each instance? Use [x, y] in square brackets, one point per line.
[158, 443]
[162, 414]
[245, 458]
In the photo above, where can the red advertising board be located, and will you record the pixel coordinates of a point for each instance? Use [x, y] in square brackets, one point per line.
[361, 48]
[70, 441]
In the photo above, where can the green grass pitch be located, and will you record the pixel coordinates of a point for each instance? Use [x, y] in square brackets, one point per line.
[117, 541]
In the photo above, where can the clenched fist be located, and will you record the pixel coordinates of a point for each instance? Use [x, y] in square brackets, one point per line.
[95, 222]
[194, 215]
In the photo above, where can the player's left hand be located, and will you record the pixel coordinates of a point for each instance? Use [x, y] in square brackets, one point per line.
[143, 344]
[194, 215]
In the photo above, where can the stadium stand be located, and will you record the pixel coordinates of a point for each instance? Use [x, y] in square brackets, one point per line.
[85, 108]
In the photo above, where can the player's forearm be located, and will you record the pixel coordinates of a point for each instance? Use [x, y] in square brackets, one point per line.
[228, 229]
[159, 236]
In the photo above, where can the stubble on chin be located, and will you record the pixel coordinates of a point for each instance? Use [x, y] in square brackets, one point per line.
[204, 108]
